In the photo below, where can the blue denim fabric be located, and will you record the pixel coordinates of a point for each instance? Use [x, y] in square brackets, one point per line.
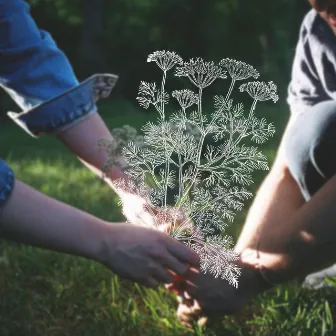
[6, 182]
[66, 109]
[40, 79]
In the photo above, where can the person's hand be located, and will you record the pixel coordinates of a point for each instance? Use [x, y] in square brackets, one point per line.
[145, 255]
[202, 296]
[136, 209]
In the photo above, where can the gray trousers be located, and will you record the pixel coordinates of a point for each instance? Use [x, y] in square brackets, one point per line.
[310, 147]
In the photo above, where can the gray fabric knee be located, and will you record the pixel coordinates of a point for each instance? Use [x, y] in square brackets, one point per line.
[310, 147]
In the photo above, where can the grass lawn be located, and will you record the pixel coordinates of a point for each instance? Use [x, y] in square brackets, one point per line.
[51, 294]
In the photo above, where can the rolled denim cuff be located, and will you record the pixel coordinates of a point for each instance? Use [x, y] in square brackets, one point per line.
[67, 109]
[6, 182]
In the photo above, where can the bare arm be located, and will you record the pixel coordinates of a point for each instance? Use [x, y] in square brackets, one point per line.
[136, 253]
[33, 218]
[309, 235]
[291, 232]
[82, 139]
[289, 229]
[278, 197]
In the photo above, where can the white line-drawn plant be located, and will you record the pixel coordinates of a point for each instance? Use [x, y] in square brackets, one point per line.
[207, 181]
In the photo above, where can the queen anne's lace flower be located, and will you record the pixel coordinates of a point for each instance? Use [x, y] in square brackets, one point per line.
[261, 91]
[186, 98]
[239, 70]
[200, 73]
[165, 59]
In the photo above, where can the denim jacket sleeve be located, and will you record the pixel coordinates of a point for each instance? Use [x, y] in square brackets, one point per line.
[39, 77]
[6, 182]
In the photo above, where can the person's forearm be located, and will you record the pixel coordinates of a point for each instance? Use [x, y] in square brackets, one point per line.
[82, 140]
[285, 229]
[276, 202]
[33, 218]
[308, 242]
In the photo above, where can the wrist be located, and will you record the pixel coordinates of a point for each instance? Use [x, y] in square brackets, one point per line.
[99, 242]
[109, 235]
[111, 177]
[252, 280]
[273, 268]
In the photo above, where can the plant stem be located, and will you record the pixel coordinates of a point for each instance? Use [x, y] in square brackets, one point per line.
[203, 135]
[162, 90]
[181, 186]
[166, 175]
[230, 90]
[199, 148]
[243, 134]
[230, 114]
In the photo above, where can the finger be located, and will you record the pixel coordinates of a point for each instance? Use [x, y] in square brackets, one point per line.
[183, 253]
[173, 288]
[186, 324]
[193, 281]
[186, 300]
[183, 316]
[177, 278]
[191, 287]
[186, 315]
[176, 285]
[176, 288]
[180, 285]
[176, 266]
[170, 287]
[180, 298]
[192, 274]
[196, 308]
[163, 275]
[203, 321]
[151, 283]
[186, 295]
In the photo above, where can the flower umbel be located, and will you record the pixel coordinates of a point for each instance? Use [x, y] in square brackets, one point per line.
[260, 90]
[239, 70]
[186, 98]
[200, 73]
[165, 59]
